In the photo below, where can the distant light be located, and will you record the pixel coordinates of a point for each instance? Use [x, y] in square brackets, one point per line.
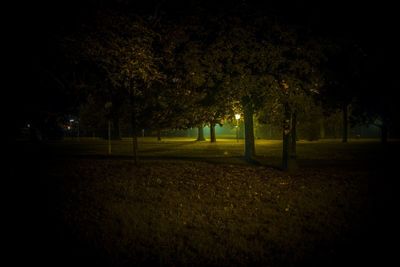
[71, 120]
[237, 116]
[69, 127]
[28, 125]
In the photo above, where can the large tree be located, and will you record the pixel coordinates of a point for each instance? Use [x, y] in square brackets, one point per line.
[343, 72]
[122, 48]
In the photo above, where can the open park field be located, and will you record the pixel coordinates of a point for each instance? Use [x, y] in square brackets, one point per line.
[192, 203]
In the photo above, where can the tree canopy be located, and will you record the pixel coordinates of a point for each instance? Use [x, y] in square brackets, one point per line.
[169, 65]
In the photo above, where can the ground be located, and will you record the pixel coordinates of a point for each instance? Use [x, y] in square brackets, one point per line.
[193, 203]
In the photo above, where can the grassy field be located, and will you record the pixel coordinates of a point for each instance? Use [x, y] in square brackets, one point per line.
[225, 150]
[200, 204]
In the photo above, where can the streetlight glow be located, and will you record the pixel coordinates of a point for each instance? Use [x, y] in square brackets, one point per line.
[237, 116]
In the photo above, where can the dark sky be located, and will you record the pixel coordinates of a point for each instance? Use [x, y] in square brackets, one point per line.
[326, 11]
[366, 20]
[371, 23]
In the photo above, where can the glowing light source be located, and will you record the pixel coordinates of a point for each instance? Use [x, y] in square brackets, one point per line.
[237, 116]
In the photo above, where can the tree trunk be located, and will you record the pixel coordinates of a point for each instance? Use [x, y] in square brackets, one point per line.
[109, 137]
[292, 163]
[249, 147]
[285, 137]
[293, 149]
[200, 133]
[345, 123]
[134, 127]
[213, 139]
[134, 140]
[158, 135]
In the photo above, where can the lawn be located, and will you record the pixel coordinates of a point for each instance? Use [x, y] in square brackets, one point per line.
[199, 204]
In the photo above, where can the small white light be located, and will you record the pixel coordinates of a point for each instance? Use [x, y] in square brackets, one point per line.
[237, 116]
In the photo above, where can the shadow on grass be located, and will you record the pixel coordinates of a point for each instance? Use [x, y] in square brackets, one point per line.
[258, 161]
[354, 156]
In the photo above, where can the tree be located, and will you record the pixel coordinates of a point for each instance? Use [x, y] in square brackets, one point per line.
[375, 104]
[238, 54]
[207, 99]
[293, 80]
[121, 47]
[343, 73]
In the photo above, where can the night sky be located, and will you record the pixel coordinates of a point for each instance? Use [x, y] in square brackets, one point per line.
[353, 18]
[370, 22]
